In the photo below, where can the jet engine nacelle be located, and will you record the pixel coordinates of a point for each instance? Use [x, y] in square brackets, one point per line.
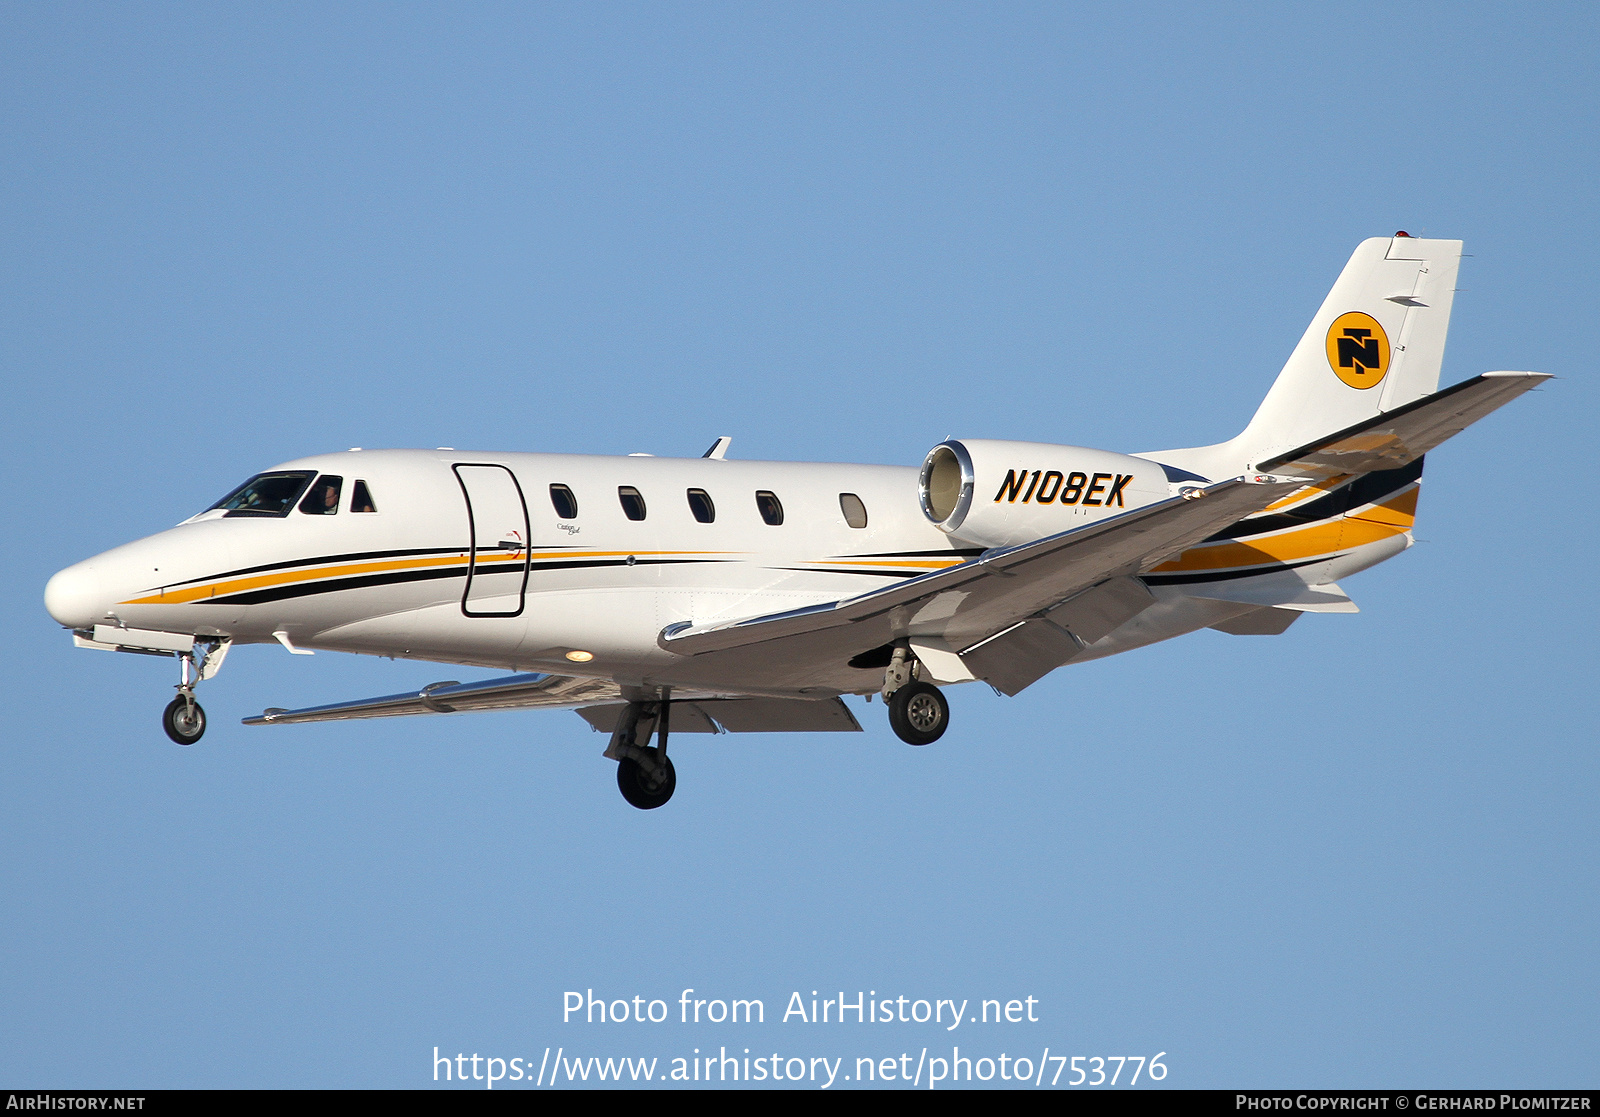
[998, 494]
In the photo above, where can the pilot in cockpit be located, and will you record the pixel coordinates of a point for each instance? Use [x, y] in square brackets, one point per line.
[323, 498]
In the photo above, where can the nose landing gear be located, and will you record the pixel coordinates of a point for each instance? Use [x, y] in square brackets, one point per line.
[645, 776]
[184, 720]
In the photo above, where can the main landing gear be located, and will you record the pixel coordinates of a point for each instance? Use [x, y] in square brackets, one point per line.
[918, 712]
[184, 719]
[645, 775]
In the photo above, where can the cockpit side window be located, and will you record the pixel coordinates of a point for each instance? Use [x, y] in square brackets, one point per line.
[323, 497]
[265, 494]
[361, 499]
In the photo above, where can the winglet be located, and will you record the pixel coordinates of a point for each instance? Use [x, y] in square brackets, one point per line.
[719, 448]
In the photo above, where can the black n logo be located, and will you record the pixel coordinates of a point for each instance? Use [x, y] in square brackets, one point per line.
[1359, 348]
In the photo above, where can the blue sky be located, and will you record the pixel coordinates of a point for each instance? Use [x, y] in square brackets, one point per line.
[1362, 853]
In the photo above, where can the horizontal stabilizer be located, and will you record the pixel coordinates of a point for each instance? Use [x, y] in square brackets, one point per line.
[1399, 437]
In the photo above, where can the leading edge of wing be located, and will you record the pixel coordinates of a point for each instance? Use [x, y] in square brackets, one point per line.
[512, 692]
[1401, 436]
[1168, 526]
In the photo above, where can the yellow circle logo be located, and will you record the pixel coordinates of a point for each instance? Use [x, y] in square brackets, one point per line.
[1358, 349]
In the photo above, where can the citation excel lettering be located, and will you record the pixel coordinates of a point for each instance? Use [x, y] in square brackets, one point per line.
[1051, 487]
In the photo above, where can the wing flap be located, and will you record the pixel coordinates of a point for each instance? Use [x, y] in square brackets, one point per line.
[513, 692]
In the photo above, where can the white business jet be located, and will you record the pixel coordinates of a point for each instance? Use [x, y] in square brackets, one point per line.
[704, 595]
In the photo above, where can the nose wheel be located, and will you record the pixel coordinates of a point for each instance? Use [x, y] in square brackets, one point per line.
[184, 720]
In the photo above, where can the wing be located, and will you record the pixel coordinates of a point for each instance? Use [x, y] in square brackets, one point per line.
[514, 692]
[1399, 437]
[967, 603]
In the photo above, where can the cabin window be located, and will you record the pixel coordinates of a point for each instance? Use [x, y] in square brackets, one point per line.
[702, 507]
[361, 499]
[855, 513]
[632, 502]
[770, 506]
[265, 494]
[565, 504]
[323, 498]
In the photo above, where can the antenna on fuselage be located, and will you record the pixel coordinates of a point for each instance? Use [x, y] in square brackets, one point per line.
[719, 448]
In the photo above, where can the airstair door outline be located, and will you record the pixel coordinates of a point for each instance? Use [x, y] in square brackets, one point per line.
[497, 541]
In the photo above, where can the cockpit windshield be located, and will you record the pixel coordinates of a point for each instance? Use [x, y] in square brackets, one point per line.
[265, 494]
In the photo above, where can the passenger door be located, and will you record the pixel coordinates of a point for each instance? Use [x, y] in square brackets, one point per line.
[497, 541]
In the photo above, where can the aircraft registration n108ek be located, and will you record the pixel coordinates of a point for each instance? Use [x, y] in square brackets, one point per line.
[696, 595]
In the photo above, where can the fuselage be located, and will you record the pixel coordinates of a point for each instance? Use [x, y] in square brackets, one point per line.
[574, 564]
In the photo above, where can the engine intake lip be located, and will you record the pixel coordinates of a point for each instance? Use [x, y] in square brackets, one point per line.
[945, 485]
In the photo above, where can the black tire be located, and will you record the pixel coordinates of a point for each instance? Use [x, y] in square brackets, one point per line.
[185, 722]
[640, 790]
[918, 713]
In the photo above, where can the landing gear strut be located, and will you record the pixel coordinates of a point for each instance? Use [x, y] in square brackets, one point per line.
[918, 713]
[183, 719]
[645, 775]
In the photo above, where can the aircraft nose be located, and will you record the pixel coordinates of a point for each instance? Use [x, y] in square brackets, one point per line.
[74, 597]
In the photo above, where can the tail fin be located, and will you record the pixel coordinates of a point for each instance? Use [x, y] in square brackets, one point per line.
[1376, 344]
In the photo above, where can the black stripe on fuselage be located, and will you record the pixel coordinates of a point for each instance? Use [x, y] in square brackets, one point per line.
[1369, 488]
